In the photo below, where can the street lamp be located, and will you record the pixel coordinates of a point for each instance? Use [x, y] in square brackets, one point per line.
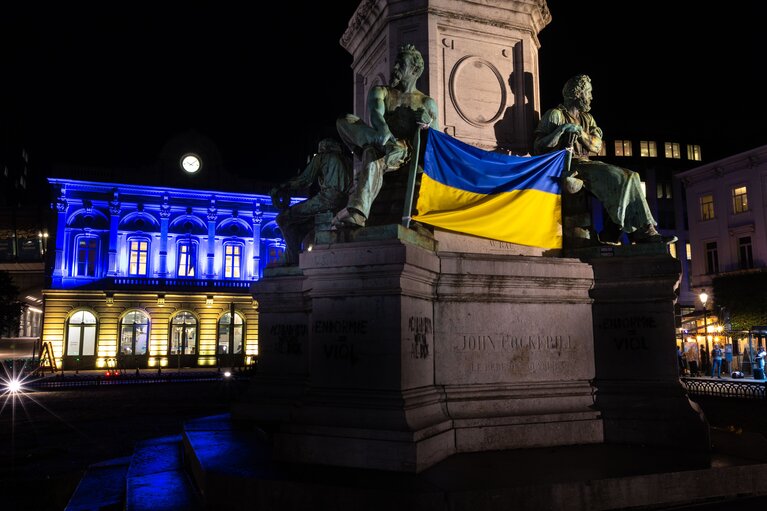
[703, 299]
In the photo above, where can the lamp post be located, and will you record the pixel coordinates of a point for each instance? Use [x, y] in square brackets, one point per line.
[703, 299]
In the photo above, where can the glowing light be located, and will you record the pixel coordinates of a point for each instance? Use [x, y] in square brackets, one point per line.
[13, 386]
[227, 374]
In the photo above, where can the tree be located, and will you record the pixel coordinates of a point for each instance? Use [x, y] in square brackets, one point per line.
[744, 295]
[10, 307]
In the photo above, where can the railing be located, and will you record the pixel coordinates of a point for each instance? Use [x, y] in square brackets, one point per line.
[53, 383]
[155, 283]
[724, 388]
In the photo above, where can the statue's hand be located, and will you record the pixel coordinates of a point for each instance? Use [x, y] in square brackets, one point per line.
[572, 128]
[423, 118]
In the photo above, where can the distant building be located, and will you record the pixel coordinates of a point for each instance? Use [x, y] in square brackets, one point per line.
[23, 232]
[657, 162]
[727, 227]
[148, 276]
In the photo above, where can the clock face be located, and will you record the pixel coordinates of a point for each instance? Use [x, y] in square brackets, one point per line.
[191, 163]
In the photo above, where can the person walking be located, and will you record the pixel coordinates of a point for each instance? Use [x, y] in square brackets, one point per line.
[716, 355]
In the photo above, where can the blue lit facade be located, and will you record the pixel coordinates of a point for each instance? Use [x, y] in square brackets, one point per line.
[151, 276]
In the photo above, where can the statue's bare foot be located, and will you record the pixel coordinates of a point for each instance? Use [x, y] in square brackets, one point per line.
[347, 218]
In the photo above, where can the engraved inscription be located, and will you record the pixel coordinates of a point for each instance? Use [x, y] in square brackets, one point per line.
[505, 342]
[289, 337]
[421, 328]
[340, 348]
[626, 333]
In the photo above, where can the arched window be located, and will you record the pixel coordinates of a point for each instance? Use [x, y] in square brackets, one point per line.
[183, 334]
[224, 329]
[81, 334]
[134, 333]
[232, 260]
[138, 256]
[186, 258]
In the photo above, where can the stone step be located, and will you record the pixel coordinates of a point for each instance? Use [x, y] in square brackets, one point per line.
[156, 479]
[102, 487]
[221, 455]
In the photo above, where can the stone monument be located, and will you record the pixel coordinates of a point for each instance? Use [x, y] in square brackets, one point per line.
[387, 349]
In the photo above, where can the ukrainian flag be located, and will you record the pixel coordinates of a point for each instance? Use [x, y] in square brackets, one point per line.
[508, 198]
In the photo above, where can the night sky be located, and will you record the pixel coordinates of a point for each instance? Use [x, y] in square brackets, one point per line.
[109, 89]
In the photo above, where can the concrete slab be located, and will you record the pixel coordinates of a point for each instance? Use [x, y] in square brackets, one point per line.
[101, 487]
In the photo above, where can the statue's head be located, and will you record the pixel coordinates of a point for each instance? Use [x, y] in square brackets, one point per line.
[409, 64]
[577, 92]
[329, 145]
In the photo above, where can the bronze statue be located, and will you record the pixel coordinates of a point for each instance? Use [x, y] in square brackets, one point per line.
[618, 189]
[331, 169]
[396, 112]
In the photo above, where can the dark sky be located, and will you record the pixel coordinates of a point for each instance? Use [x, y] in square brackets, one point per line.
[108, 88]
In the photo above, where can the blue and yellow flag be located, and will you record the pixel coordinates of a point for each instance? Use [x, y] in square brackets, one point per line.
[508, 198]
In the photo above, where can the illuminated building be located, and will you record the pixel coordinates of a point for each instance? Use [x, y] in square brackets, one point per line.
[148, 276]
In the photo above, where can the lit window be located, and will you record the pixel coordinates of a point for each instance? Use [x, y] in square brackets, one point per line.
[688, 251]
[224, 325]
[672, 250]
[138, 253]
[706, 207]
[647, 148]
[81, 334]
[623, 148]
[671, 150]
[745, 256]
[693, 152]
[87, 253]
[712, 258]
[134, 333]
[232, 260]
[187, 258]
[739, 200]
[183, 334]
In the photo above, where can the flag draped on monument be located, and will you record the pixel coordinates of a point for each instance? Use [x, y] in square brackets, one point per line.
[509, 198]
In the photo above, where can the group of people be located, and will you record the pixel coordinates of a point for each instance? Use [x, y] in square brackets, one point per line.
[718, 364]
[398, 110]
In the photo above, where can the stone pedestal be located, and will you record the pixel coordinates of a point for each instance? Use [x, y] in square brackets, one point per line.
[638, 389]
[283, 341]
[481, 62]
[414, 354]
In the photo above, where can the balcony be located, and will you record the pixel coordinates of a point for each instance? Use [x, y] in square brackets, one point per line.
[160, 284]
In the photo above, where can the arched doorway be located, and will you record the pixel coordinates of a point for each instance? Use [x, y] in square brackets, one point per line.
[81, 340]
[182, 351]
[231, 341]
[134, 338]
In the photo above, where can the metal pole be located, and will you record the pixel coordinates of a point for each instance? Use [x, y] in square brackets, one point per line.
[407, 210]
[231, 333]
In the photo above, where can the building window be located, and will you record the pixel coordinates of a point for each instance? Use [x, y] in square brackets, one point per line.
[138, 256]
[232, 260]
[648, 149]
[671, 150]
[663, 190]
[693, 152]
[81, 334]
[688, 251]
[183, 334]
[706, 207]
[87, 254]
[134, 333]
[187, 258]
[745, 256]
[623, 148]
[672, 250]
[712, 258]
[739, 200]
[224, 326]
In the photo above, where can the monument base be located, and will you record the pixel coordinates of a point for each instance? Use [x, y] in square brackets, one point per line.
[404, 354]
